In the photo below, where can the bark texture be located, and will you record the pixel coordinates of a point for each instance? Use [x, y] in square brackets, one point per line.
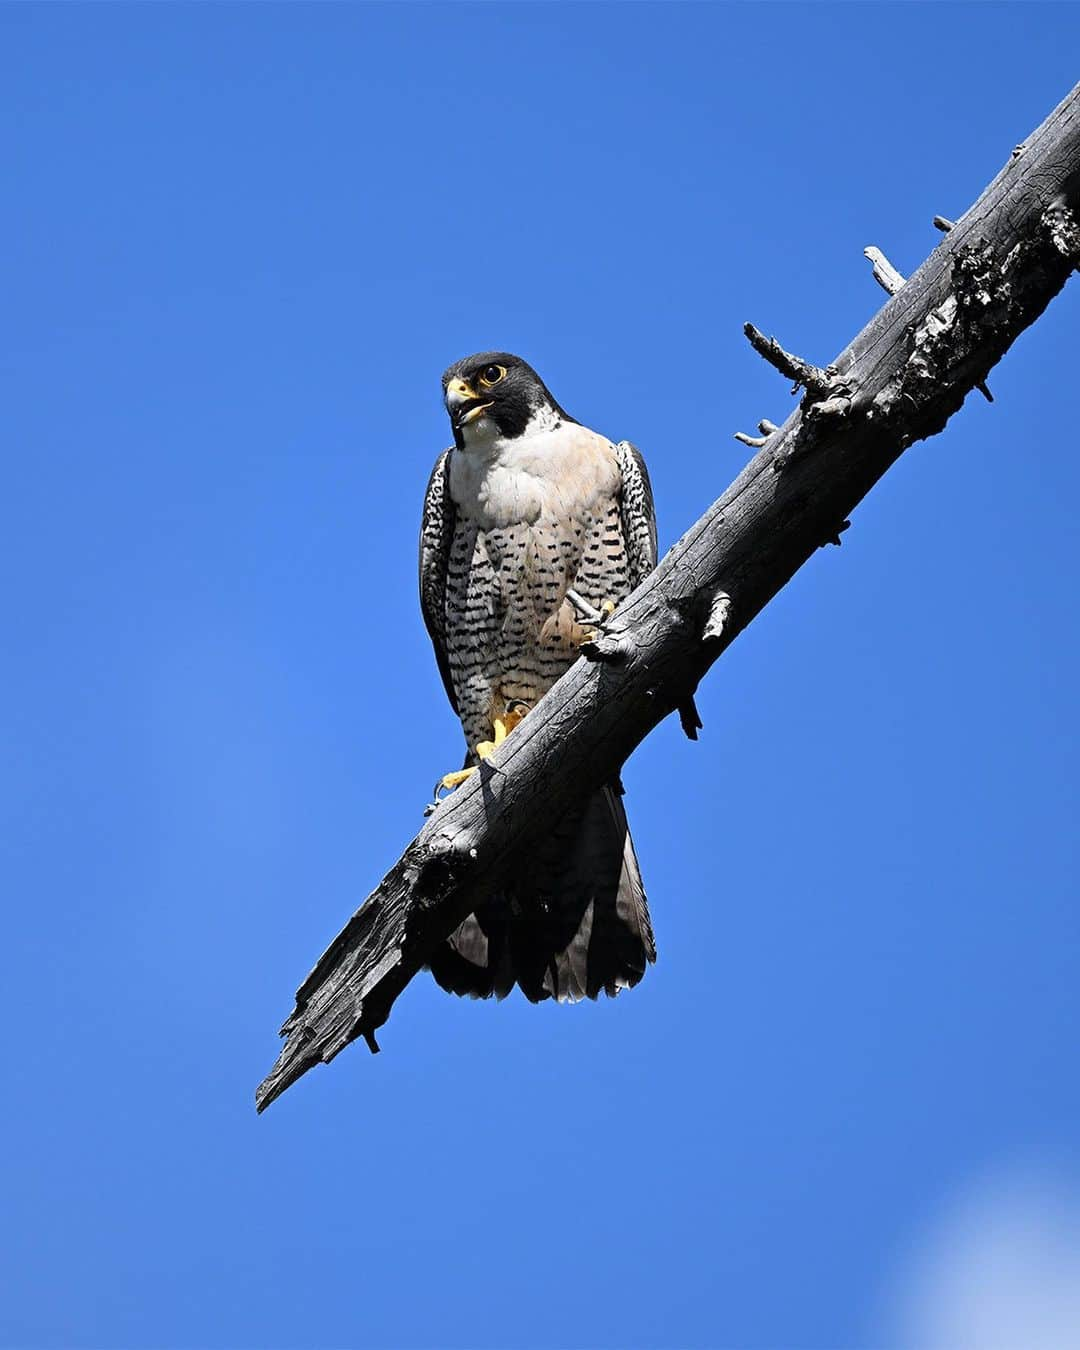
[991, 276]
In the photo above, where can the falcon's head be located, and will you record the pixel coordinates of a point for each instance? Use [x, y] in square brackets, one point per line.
[494, 395]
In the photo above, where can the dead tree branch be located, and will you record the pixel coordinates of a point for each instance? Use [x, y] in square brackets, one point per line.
[901, 379]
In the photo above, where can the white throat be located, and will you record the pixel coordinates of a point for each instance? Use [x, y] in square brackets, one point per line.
[484, 439]
[555, 468]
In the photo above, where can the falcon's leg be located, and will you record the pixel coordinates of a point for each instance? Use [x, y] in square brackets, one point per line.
[503, 726]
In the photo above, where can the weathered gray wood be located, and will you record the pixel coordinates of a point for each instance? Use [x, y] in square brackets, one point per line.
[885, 274]
[900, 380]
[889, 279]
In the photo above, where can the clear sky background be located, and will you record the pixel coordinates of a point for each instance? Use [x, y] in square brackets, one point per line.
[240, 245]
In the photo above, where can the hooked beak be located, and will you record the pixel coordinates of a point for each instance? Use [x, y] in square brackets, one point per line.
[463, 403]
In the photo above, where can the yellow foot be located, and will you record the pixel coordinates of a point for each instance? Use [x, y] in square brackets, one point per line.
[503, 725]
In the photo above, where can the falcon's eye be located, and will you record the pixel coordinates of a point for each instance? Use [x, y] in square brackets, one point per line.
[491, 375]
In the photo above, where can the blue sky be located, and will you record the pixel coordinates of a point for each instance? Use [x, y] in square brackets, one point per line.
[241, 244]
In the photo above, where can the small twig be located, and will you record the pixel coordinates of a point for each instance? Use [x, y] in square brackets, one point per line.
[885, 274]
[943, 223]
[584, 610]
[603, 645]
[766, 428]
[812, 378]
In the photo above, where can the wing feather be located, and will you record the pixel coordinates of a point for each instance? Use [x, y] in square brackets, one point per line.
[436, 538]
[637, 512]
[639, 531]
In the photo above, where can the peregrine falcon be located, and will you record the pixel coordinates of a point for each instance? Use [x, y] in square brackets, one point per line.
[534, 529]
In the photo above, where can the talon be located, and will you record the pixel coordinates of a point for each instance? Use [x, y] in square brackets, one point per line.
[446, 783]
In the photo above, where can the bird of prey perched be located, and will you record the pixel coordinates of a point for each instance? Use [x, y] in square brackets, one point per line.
[534, 529]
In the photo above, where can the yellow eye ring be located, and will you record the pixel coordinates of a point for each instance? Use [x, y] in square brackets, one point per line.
[491, 375]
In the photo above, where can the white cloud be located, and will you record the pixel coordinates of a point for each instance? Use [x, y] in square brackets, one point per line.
[999, 1271]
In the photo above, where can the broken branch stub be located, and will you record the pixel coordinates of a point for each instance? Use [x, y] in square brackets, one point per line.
[885, 274]
[800, 372]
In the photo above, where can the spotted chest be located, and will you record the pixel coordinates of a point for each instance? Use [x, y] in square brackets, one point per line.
[533, 517]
